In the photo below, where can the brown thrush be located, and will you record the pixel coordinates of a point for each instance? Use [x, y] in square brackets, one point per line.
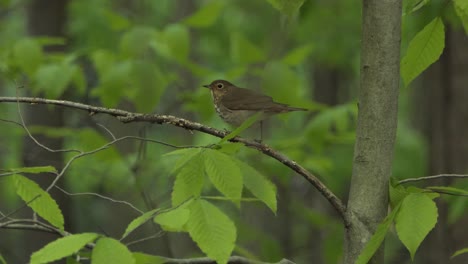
[235, 105]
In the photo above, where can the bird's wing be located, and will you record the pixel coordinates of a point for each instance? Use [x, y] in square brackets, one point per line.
[245, 99]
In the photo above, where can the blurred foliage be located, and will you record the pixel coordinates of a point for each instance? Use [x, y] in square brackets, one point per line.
[153, 56]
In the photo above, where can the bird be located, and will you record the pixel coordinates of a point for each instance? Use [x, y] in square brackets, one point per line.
[235, 105]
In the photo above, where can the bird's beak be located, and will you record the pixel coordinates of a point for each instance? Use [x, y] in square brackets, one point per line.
[206, 86]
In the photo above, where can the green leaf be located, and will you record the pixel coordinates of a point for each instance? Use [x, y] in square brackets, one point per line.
[2, 260]
[139, 221]
[298, 55]
[212, 230]
[28, 55]
[109, 250]
[246, 124]
[54, 78]
[186, 154]
[142, 258]
[259, 185]
[424, 49]
[34, 170]
[460, 251]
[448, 190]
[224, 173]
[410, 6]
[417, 216]
[62, 247]
[206, 15]
[178, 41]
[149, 85]
[113, 82]
[287, 7]
[43, 203]
[461, 9]
[245, 52]
[136, 42]
[189, 180]
[173, 220]
[397, 192]
[378, 237]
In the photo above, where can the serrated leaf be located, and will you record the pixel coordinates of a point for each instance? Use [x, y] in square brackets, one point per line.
[459, 252]
[189, 180]
[377, 238]
[206, 15]
[424, 49]
[34, 170]
[142, 258]
[224, 173]
[185, 154]
[212, 230]
[135, 223]
[43, 204]
[417, 216]
[173, 220]
[109, 250]
[62, 247]
[259, 185]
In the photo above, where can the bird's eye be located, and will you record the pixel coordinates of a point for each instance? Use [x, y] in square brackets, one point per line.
[220, 85]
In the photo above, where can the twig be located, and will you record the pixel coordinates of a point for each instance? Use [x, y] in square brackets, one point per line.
[101, 196]
[158, 234]
[432, 177]
[128, 117]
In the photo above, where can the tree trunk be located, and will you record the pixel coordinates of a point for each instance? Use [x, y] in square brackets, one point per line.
[377, 124]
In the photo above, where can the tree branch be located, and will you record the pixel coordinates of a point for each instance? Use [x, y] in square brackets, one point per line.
[432, 177]
[128, 117]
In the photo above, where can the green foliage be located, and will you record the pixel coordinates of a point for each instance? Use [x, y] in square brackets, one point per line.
[2, 260]
[424, 49]
[212, 230]
[258, 185]
[34, 170]
[189, 179]
[224, 173]
[205, 16]
[243, 51]
[246, 124]
[62, 247]
[448, 190]
[461, 8]
[139, 221]
[173, 220]
[417, 216]
[378, 237]
[28, 55]
[109, 250]
[460, 251]
[288, 7]
[40, 201]
[142, 258]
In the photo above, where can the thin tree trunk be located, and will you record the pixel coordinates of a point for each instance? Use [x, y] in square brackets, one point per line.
[377, 124]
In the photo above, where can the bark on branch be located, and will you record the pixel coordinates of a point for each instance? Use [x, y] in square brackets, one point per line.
[127, 117]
